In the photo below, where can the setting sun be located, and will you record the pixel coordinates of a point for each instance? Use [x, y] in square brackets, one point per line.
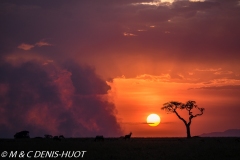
[153, 120]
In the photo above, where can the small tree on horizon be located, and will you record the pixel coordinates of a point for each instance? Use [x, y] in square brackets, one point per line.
[172, 106]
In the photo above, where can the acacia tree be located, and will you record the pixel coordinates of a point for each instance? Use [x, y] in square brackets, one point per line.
[172, 106]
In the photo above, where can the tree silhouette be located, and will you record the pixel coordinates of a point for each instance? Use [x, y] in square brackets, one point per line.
[172, 106]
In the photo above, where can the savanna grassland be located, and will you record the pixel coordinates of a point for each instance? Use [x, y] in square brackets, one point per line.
[135, 148]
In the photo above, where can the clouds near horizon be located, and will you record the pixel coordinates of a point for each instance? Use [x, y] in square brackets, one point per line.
[51, 99]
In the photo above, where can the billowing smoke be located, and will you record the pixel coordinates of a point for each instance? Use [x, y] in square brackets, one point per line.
[44, 97]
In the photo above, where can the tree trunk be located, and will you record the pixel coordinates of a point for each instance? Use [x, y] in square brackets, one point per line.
[188, 131]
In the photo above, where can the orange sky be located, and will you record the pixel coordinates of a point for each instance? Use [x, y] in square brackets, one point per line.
[136, 98]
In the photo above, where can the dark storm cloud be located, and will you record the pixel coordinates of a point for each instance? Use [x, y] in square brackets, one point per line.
[85, 80]
[25, 79]
[27, 86]
[48, 99]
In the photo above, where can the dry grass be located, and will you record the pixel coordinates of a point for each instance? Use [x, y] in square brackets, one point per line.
[136, 148]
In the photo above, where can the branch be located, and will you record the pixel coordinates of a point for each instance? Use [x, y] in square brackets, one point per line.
[180, 117]
[189, 106]
[199, 114]
[171, 106]
[193, 116]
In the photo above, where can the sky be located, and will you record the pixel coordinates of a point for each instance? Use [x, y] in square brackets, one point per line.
[90, 67]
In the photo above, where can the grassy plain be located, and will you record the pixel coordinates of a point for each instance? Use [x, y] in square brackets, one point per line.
[135, 148]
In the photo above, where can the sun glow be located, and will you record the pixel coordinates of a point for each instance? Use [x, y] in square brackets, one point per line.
[153, 120]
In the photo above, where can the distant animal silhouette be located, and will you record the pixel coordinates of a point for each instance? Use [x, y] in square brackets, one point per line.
[48, 136]
[99, 138]
[22, 134]
[56, 138]
[128, 136]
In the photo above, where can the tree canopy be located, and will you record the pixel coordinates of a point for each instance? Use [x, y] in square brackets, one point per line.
[173, 106]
